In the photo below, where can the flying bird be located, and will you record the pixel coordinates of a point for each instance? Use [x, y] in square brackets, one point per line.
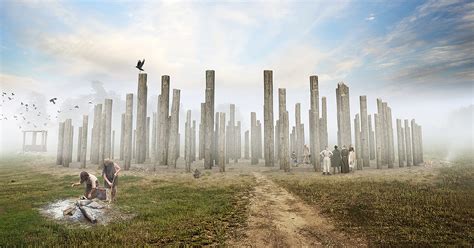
[9, 98]
[140, 64]
[90, 102]
[53, 100]
[76, 106]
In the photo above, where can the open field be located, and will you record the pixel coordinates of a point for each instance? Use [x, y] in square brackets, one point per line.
[248, 206]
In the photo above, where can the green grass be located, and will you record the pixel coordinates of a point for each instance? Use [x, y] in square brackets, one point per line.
[167, 213]
[396, 212]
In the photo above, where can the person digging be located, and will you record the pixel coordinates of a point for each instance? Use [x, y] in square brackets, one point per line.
[110, 175]
[91, 184]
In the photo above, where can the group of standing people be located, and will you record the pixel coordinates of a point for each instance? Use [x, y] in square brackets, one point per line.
[342, 161]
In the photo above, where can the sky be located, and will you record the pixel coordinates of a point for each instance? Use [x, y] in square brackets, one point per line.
[416, 55]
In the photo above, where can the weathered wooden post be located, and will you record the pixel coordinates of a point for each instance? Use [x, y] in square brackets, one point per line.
[59, 156]
[399, 143]
[323, 124]
[254, 137]
[112, 151]
[314, 122]
[174, 129]
[134, 144]
[202, 125]
[163, 134]
[230, 141]
[95, 142]
[122, 135]
[364, 133]
[390, 137]
[379, 141]
[408, 143]
[358, 148]
[79, 146]
[269, 148]
[71, 144]
[209, 120]
[85, 124]
[299, 139]
[381, 138]
[193, 142]
[238, 140]
[128, 132]
[277, 139]
[187, 143]
[67, 143]
[371, 139]
[147, 138]
[141, 118]
[259, 139]
[284, 126]
[221, 143]
[343, 115]
[247, 144]
[108, 128]
[153, 138]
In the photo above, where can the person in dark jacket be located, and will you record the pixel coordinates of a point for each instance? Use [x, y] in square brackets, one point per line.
[110, 175]
[345, 160]
[336, 159]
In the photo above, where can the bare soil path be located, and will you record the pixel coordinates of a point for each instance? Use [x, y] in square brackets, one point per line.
[279, 219]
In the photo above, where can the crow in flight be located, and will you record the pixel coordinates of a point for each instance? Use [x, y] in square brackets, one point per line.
[53, 100]
[140, 64]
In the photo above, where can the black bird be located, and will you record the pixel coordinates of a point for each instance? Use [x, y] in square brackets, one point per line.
[9, 98]
[13, 94]
[76, 106]
[140, 64]
[21, 103]
[59, 111]
[53, 100]
[90, 102]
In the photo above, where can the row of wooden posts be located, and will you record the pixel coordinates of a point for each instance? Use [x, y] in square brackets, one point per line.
[220, 143]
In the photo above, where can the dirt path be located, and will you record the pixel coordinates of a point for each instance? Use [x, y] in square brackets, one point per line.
[278, 219]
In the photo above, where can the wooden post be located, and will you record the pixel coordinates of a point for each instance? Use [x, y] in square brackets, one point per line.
[358, 141]
[141, 118]
[102, 141]
[324, 124]
[221, 143]
[254, 136]
[277, 139]
[259, 139]
[173, 152]
[391, 143]
[285, 159]
[134, 145]
[269, 148]
[79, 146]
[193, 142]
[67, 143]
[238, 140]
[85, 124]
[381, 134]
[128, 144]
[187, 143]
[314, 122]
[246, 145]
[59, 156]
[282, 123]
[153, 138]
[202, 125]
[95, 142]
[344, 119]
[122, 135]
[299, 138]
[379, 141]
[371, 139]
[108, 128]
[147, 138]
[364, 133]
[209, 129]
[112, 151]
[400, 143]
[408, 143]
[163, 134]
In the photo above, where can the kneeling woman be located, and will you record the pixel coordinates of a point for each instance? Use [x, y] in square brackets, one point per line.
[110, 175]
[91, 184]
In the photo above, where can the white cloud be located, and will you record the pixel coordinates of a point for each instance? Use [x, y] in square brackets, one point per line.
[371, 17]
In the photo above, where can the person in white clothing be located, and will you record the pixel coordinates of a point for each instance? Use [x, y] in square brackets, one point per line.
[326, 154]
[352, 158]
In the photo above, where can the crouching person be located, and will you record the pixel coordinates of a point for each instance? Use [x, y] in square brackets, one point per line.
[110, 175]
[91, 184]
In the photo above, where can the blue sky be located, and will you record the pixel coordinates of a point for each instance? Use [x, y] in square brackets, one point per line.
[402, 51]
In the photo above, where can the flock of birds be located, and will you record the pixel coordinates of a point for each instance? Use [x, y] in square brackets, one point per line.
[28, 114]
[29, 111]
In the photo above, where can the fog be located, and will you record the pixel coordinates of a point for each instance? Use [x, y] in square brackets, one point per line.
[447, 126]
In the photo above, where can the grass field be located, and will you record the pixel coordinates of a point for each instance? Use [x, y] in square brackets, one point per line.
[167, 213]
[426, 208]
